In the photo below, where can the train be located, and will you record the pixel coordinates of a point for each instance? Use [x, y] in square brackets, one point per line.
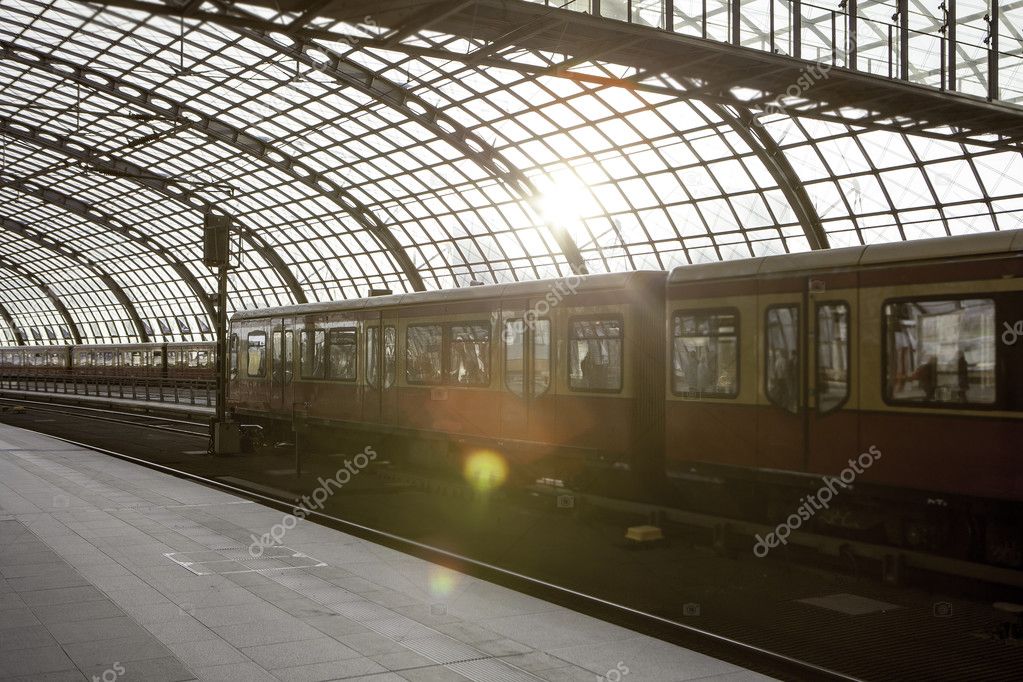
[737, 387]
[181, 360]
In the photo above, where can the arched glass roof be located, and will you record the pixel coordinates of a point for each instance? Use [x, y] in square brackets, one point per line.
[348, 167]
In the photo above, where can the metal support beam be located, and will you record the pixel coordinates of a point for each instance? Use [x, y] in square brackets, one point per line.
[227, 134]
[992, 54]
[147, 178]
[777, 164]
[108, 223]
[353, 74]
[15, 331]
[54, 299]
[22, 230]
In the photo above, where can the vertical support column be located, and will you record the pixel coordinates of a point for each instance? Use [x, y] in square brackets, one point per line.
[852, 36]
[992, 55]
[736, 12]
[222, 374]
[797, 29]
[669, 15]
[953, 78]
[904, 39]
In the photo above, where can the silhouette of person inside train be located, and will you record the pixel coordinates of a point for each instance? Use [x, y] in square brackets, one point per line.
[962, 376]
[926, 376]
[779, 388]
[692, 373]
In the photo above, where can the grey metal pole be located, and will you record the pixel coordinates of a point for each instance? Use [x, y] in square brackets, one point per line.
[222, 373]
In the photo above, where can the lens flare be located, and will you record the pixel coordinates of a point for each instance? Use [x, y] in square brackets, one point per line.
[485, 470]
[442, 582]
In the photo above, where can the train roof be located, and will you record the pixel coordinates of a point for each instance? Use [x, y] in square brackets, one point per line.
[987, 243]
[581, 283]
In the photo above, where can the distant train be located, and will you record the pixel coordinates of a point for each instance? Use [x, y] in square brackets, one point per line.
[740, 383]
[167, 360]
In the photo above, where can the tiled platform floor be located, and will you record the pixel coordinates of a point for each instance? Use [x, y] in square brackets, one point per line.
[111, 571]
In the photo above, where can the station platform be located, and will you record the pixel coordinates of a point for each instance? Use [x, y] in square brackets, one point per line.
[114, 571]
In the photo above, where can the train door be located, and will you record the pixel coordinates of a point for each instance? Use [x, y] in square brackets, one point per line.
[782, 419]
[833, 425]
[527, 375]
[282, 366]
[380, 400]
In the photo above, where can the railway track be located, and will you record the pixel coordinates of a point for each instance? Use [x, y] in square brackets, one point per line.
[100, 414]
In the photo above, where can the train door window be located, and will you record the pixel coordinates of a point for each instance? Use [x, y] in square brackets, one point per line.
[390, 356]
[276, 353]
[373, 356]
[256, 354]
[595, 354]
[202, 359]
[515, 356]
[289, 356]
[233, 355]
[541, 357]
[423, 345]
[343, 355]
[705, 354]
[941, 351]
[157, 358]
[832, 355]
[310, 353]
[782, 366]
[469, 354]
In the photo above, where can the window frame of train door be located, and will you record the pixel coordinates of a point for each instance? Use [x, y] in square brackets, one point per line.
[385, 411]
[529, 394]
[773, 453]
[280, 377]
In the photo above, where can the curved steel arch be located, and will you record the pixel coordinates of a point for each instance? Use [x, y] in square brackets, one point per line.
[15, 331]
[380, 88]
[106, 222]
[225, 133]
[58, 304]
[130, 171]
[23, 230]
[767, 150]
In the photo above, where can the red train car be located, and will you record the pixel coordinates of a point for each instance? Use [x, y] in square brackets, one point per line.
[783, 369]
[555, 371]
[35, 360]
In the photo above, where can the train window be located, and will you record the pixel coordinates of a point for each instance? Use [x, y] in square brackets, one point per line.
[277, 353]
[469, 354]
[423, 354]
[390, 352]
[515, 356]
[256, 354]
[233, 355]
[289, 356]
[372, 356]
[705, 354]
[202, 358]
[832, 355]
[541, 357]
[782, 366]
[595, 354]
[342, 356]
[940, 351]
[310, 353]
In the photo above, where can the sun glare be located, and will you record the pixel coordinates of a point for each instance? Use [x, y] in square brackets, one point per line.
[485, 470]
